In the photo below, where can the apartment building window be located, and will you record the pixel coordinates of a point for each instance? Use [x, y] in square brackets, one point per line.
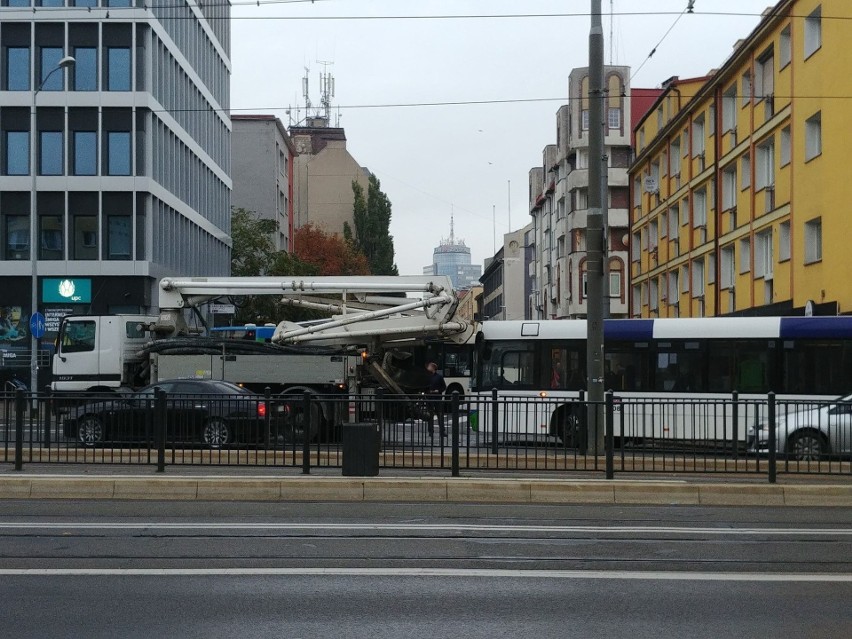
[711, 268]
[729, 109]
[698, 277]
[745, 256]
[641, 139]
[85, 153]
[729, 187]
[84, 228]
[746, 88]
[673, 215]
[785, 53]
[766, 164]
[118, 69]
[784, 241]
[684, 211]
[51, 234]
[786, 148]
[766, 74]
[50, 153]
[699, 208]
[813, 241]
[655, 173]
[727, 266]
[675, 157]
[763, 258]
[118, 153]
[664, 224]
[659, 117]
[637, 300]
[49, 58]
[653, 295]
[673, 290]
[584, 120]
[813, 32]
[636, 247]
[17, 155]
[615, 284]
[85, 69]
[698, 136]
[614, 118]
[17, 68]
[652, 236]
[813, 136]
[637, 192]
[745, 171]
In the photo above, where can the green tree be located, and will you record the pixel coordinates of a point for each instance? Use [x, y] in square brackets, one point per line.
[372, 218]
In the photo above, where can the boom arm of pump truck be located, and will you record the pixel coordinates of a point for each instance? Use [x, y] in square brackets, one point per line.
[361, 309]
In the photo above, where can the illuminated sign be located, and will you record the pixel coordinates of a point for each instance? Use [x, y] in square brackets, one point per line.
[66, 290]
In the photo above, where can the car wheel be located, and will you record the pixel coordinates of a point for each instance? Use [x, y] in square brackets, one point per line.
[90, 430]
[807, 445]
[216, 433]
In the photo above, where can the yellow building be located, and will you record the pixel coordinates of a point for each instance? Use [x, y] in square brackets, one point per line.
[740, 186]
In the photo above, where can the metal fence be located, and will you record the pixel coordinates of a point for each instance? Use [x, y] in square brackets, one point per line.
[459, 433]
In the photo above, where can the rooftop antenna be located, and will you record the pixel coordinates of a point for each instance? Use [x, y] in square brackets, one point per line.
[306, 91]
[611, 27]
[326, 89]
[452, 223]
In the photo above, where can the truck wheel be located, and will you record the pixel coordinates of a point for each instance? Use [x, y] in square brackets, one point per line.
[216, 433]
[294, 429]
[90, 431]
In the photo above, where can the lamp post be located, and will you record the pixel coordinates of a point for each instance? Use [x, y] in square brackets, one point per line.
[65, 63]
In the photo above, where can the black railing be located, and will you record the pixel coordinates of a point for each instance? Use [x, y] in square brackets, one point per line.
[766, 436]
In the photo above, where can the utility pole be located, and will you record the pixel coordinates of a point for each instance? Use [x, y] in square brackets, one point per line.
[595, 239]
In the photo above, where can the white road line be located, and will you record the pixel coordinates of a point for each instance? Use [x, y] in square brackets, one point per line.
[431, 572]
[403, 527]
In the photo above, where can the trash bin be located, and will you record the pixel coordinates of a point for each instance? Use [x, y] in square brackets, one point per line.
[360, 443]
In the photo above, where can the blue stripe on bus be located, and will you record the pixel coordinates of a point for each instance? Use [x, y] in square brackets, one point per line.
[629, 329]
[816, 327]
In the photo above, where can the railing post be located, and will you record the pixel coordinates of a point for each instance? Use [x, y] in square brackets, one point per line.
[160, 428]
[267, 418]
[735, 424]
[455, 434]
[48, 412]
[20, 409]
[773, 455]
[495, 423]
[609, 435]
[306, 433]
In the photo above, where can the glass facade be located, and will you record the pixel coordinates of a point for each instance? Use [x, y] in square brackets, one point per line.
[118, 69]
[17, 153]
[17, 68]
[118, 153]
[49, 79]
[85, 153]
[85, 69]
[50, 153]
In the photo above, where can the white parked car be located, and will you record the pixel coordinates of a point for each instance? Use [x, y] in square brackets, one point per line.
[808, 431]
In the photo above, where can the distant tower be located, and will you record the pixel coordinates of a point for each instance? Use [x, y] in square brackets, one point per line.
[451, 257]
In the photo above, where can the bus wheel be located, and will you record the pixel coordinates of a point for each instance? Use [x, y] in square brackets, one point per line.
[569, 425]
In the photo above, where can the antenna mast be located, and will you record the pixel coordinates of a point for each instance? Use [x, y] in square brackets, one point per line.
[326, 89]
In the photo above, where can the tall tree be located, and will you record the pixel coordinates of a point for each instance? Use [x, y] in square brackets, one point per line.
[372, 227]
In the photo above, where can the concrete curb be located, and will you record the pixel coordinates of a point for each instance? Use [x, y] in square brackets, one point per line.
[426, 489]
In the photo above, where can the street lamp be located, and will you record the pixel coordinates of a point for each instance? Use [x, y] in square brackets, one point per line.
[65, 63]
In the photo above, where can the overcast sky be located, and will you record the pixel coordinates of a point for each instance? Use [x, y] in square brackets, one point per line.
[463, 159]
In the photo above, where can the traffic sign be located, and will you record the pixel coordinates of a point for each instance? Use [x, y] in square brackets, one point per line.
[37, 325]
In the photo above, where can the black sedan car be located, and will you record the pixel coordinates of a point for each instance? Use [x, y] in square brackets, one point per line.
[210, 412]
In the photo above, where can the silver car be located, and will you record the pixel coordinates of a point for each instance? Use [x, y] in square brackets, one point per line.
[808, 431]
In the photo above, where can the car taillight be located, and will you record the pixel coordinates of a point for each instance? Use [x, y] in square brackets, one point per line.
[261, 409]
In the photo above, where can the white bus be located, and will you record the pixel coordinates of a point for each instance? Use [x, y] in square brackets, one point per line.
[672, 378]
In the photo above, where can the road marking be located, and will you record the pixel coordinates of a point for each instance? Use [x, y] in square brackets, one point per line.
[622, 575]
[407, 527]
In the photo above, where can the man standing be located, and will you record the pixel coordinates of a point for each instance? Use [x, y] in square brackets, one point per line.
[437, 386]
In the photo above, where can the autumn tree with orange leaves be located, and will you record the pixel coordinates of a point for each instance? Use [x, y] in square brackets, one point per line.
[329, 253]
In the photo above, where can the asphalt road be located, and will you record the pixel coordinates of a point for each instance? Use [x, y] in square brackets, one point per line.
[134, 569]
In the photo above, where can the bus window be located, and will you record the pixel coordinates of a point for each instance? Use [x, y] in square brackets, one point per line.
[78, 337]
[740, 365]
[626, 367]
[817, 367]
[509, 366]
[679, 367]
